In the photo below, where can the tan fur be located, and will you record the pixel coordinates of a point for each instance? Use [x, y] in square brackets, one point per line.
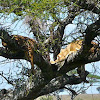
[71, 48]
[26, 43]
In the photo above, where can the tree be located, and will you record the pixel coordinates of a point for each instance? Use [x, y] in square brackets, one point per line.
[47, 20]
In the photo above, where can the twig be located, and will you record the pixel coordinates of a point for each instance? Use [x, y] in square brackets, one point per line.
[9, 82]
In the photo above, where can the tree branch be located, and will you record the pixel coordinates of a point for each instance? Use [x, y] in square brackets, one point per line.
[11, 55]
[33, 89]
[59, 83]
[92, 31]
[12, 43]
[9, 82]
[37, 27]
[87, 5]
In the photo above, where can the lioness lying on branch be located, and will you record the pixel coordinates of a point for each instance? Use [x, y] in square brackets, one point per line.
[24, 42]
[71, 48]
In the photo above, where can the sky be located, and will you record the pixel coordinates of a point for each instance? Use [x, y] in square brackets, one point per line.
[22, 29]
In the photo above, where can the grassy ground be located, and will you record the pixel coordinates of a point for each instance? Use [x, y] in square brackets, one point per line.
[79, 97]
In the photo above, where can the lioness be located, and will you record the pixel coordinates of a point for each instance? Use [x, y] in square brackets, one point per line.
[26, 43]
[71, 48]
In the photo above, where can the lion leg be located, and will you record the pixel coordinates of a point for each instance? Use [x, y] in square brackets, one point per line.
[30, 58]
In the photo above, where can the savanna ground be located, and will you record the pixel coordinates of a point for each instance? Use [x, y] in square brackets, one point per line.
[79, 97]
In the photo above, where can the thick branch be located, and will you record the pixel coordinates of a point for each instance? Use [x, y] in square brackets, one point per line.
[11, 55]
[44, 66]
[92, 31]
[35, 90]
[59, 83]
[8, 39]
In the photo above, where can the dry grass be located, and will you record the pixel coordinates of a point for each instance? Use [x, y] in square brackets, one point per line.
[88, 97]
[83, 97]
[79, 97]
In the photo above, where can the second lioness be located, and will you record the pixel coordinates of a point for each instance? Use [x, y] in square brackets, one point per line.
[71, 48]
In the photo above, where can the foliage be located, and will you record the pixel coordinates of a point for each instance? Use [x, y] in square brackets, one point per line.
[94, 76]
[29, 7]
